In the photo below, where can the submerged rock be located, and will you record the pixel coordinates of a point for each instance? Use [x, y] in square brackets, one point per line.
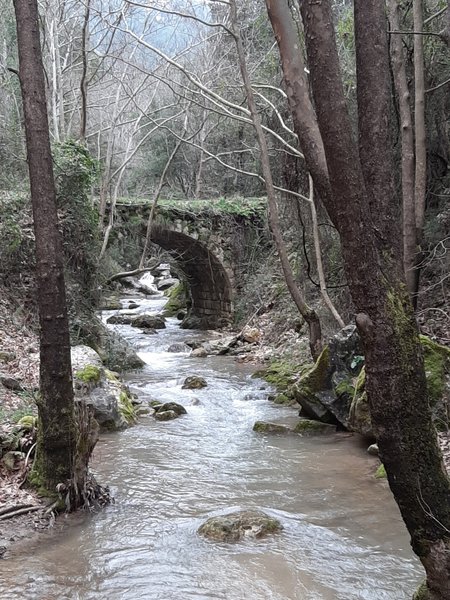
[245, 524]
[267, 427]
[194, 383]
[302, 427]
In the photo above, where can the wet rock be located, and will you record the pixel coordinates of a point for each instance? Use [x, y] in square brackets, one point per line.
[165, 415]
[245, 524]
[178, 347]
[173, 406]
[308, 427]
[199, 353]
[267, 427]
[149, 322]
[194, 383]
[133, 305]
[149, 332]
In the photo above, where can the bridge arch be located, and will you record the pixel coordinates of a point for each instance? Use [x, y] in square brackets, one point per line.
[209, 282]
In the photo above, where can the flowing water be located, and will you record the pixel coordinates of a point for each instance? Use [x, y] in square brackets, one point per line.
[342, 539]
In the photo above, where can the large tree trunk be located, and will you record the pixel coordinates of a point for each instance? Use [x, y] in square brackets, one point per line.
[410, 247]
[363, 209]
[57, 434]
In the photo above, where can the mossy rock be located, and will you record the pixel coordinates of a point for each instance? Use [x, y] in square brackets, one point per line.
[281, 374]
[89, 374]
[267, 427]
[284, 399]
[437, 368]
[437, 371]
[245, 524]
[178, 299]
[309, 427]
[314, 379]
[422, 592]
[381, 472]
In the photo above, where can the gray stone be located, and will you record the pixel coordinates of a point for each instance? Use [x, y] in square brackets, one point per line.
[105, 405]
[245, 524]
[199, 353]
[373, 449]
[178, 347]
[6, 356]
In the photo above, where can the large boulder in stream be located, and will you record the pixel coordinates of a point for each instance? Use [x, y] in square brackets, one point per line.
[149, 322]
[236, 526]
[111, 400]
[304, 427]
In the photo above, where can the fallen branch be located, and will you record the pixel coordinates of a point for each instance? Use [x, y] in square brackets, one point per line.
[8, 509]
[124, 274]
[22, 511]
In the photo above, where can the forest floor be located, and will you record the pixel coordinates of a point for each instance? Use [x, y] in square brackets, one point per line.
[19, 364]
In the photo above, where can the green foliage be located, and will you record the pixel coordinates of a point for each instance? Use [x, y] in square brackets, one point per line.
[381, 472]
[281, 374]
[89, 374]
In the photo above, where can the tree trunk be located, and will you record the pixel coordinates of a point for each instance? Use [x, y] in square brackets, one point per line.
[410, 247]
[310, 316]
[419, 126]
[363, 210]
[57, 435]
[84, 81]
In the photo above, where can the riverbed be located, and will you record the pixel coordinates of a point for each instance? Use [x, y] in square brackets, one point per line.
[343, 538]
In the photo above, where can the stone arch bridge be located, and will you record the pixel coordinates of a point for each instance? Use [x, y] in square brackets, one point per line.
[211, 243]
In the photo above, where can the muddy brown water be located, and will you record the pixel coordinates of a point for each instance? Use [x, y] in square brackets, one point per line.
[343, 538]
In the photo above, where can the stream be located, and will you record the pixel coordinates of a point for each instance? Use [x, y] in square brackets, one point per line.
[343, 538]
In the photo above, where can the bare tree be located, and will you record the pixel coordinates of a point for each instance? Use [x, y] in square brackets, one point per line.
[362, 206]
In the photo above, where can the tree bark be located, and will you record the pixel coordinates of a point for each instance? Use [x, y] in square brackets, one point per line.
[396, 382]
[310, 316]
[419, 125]
[410, 247]
[84, 81]
[57, 435]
